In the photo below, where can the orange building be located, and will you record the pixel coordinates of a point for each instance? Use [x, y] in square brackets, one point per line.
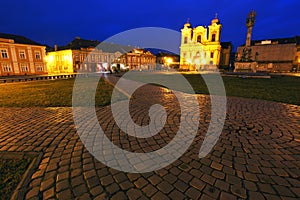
[137, 59]
[21, 56]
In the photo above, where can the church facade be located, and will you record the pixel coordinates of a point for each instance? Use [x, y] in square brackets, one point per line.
[200, 46]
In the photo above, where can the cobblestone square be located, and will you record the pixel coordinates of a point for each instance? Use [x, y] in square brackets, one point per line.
[256, 157]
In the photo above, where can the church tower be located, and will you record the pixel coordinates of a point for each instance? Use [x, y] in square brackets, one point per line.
[186, 33]
[200, 46]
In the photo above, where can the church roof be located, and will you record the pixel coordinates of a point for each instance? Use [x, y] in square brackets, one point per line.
[19, 39]
[79, 43]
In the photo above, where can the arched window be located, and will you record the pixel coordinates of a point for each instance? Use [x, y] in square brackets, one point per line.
[199, 38]
[213, 37]
[185, 40]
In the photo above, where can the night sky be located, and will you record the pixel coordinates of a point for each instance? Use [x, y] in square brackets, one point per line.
[59, 21]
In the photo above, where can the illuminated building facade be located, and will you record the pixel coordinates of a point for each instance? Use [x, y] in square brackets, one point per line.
[200, 46]
[169, 60]
[137, 59]
[275, 55]
[21, 56]
[83, 56]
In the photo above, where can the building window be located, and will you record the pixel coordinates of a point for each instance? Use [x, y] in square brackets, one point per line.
[22, 55]
[213, 37]
[39, 68]
[24, 68]
[6, 68]
[199, 38]
[185, 40]
[4, 53]
[211, 54]
[37, 55]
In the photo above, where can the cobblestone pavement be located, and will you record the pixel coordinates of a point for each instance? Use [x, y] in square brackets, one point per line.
[257, 155]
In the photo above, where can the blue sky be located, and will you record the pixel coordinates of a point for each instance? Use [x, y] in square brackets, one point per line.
[58, 22]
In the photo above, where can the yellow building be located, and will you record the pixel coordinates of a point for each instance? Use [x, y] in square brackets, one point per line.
[200, 46]
[83, 56]
[60, 61]
[21, 56]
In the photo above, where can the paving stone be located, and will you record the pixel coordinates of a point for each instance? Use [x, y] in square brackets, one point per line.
[198, 184]
[165, 187]
[126, 185]
[149, 190]
[175, 194]
[113, 188]
[193, 193]
[227, 196]
[47, 184]
[206, 197]
[256, 196]
[181, 186]
[66, 194]
[119, 196]
[222, 185]
[208, 179]
[79, 190]
[133, 194]
[155, 179]
[160, 196]
[238, 191]
[211, 191]
[48, 193]
[62, 185]
[141, 182]
[77, 181]
[34, 192]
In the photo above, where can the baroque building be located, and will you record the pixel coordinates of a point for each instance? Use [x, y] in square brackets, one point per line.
[136, 59]
[200, 46]
[269, 55]
[21, 56]
[82, 55]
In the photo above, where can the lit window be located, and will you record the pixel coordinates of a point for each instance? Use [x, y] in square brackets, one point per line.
[199, 38]
[213, 37]
[6, 68]
[22, 55]
[37, 55]
[185, 40]
[24, 68]
[4, 53]
[39, 68]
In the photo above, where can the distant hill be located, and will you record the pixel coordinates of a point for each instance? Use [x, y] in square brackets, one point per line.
[160, 51]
